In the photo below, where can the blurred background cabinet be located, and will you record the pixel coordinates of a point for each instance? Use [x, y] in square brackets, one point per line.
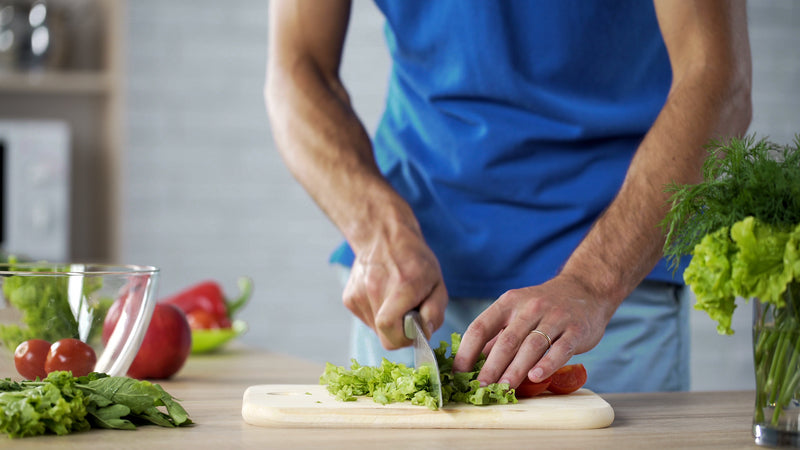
[61, 61]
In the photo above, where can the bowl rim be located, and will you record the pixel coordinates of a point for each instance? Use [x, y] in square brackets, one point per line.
[45, 268]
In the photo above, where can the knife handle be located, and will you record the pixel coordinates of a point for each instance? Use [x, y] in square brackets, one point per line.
[412, 322]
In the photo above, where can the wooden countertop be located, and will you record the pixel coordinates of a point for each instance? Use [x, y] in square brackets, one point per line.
[211, 387]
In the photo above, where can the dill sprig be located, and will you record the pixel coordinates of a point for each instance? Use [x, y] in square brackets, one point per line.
[741, 177]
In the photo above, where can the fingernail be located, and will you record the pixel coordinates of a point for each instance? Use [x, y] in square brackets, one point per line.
[536, 375]
[504, 381]
[429, 328]
[483, 383]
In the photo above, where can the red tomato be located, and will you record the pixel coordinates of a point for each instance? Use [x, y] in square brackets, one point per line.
[567, 379]
[200, 319]
[530, 389]
[29, 358]
[70, 354]
[166, 343]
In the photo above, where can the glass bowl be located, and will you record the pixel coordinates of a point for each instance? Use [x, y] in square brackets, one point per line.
[52, 301]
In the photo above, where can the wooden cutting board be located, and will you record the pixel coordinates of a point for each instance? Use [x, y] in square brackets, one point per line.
[273, 405]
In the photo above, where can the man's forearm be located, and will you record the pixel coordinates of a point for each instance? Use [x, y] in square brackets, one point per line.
[705, 102]
[328, 150]
[625, 243]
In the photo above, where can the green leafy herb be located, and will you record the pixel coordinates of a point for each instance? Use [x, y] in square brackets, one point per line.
[392, 382]
[62, 404]
[741, 226]
[741, 178]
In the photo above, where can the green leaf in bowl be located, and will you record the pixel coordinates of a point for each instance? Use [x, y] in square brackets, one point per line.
[204, 341]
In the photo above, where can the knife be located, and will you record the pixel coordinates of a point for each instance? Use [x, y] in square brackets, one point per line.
[423, 354]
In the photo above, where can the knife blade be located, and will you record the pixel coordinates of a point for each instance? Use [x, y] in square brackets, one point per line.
[423, 354]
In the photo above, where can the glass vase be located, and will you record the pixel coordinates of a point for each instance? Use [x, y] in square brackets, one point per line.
[776, 357]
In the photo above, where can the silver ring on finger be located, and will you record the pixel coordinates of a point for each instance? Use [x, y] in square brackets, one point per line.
[540, 332]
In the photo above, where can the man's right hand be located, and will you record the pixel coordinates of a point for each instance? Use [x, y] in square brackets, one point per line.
[395, 273]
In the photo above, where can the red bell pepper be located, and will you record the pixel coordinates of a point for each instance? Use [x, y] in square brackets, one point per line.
[207, 298]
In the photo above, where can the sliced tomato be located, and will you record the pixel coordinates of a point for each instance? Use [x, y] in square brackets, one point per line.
[567, 379]
[530, 389]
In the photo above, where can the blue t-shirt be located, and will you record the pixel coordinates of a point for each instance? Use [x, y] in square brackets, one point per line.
[509, 127]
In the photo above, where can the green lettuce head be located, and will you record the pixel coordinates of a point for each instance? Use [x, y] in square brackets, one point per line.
[709, 275]
[749, 260]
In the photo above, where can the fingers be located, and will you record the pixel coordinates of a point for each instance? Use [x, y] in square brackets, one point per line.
[389, 318]
[432, 309]
[536, 359]
[514, 333]
[557, 357]
[533, 347]
[485, 328]
[515, 351]
[516, 355]
[355, 297]
[381, 296]
[489, 345]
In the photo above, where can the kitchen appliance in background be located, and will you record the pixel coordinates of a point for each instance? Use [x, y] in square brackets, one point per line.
[35, 189]
[32, 35]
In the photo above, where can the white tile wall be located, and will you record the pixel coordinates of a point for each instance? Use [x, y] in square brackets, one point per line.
[207, 196]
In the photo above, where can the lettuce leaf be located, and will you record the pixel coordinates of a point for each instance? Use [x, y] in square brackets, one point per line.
[750, 259]
[758, 270]
[54, 407]
[709, 273]
[61, 404]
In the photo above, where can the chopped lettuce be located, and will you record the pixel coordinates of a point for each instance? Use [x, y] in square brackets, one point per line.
[393, 382]
[388, 383]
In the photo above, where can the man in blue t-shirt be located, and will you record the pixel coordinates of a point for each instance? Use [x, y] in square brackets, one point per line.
[514, 188]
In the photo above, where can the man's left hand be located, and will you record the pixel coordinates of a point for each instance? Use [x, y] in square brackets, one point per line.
[564, 310]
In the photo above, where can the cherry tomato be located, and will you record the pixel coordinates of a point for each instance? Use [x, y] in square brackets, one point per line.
[29, 358]
[567, 379]
[70, 354]
[201, 319]
[530, 389]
